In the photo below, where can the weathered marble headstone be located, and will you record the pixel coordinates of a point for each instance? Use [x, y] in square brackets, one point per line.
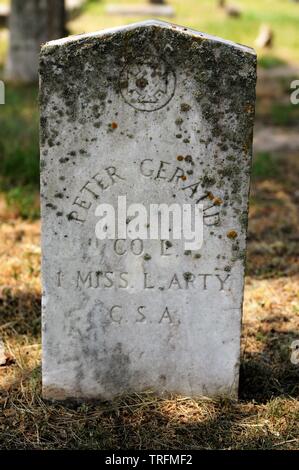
[31, 23]
[161, 114]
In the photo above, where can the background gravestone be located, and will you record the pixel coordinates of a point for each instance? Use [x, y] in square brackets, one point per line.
[31, 23]
[161, 114]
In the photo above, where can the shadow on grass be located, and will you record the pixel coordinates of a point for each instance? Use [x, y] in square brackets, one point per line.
[20, 313]
[136, 421]
[261, 381]
[270, 373]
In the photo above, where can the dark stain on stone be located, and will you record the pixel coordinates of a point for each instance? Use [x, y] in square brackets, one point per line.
[179, 121]
[185, 107]
[51, 206]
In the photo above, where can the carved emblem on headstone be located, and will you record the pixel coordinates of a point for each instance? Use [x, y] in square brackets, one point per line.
[148, 85]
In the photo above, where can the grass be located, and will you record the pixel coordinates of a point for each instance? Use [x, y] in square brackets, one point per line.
[269, 61]
[285, 114]
[264, 166]
[267, 414]
[19, 136]
[19, 150]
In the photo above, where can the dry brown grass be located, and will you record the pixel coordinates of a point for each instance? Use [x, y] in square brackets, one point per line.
[268, 411]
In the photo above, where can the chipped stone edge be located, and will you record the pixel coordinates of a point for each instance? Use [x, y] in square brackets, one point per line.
[148, 23]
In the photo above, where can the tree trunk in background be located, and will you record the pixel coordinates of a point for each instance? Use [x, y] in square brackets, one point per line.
[56, 19]
[31, 23]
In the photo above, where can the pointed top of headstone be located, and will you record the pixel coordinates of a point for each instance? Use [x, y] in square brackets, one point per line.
[149, 24]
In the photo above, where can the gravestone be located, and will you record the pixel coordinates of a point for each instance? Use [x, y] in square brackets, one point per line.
[31, 23]
[160, 114]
